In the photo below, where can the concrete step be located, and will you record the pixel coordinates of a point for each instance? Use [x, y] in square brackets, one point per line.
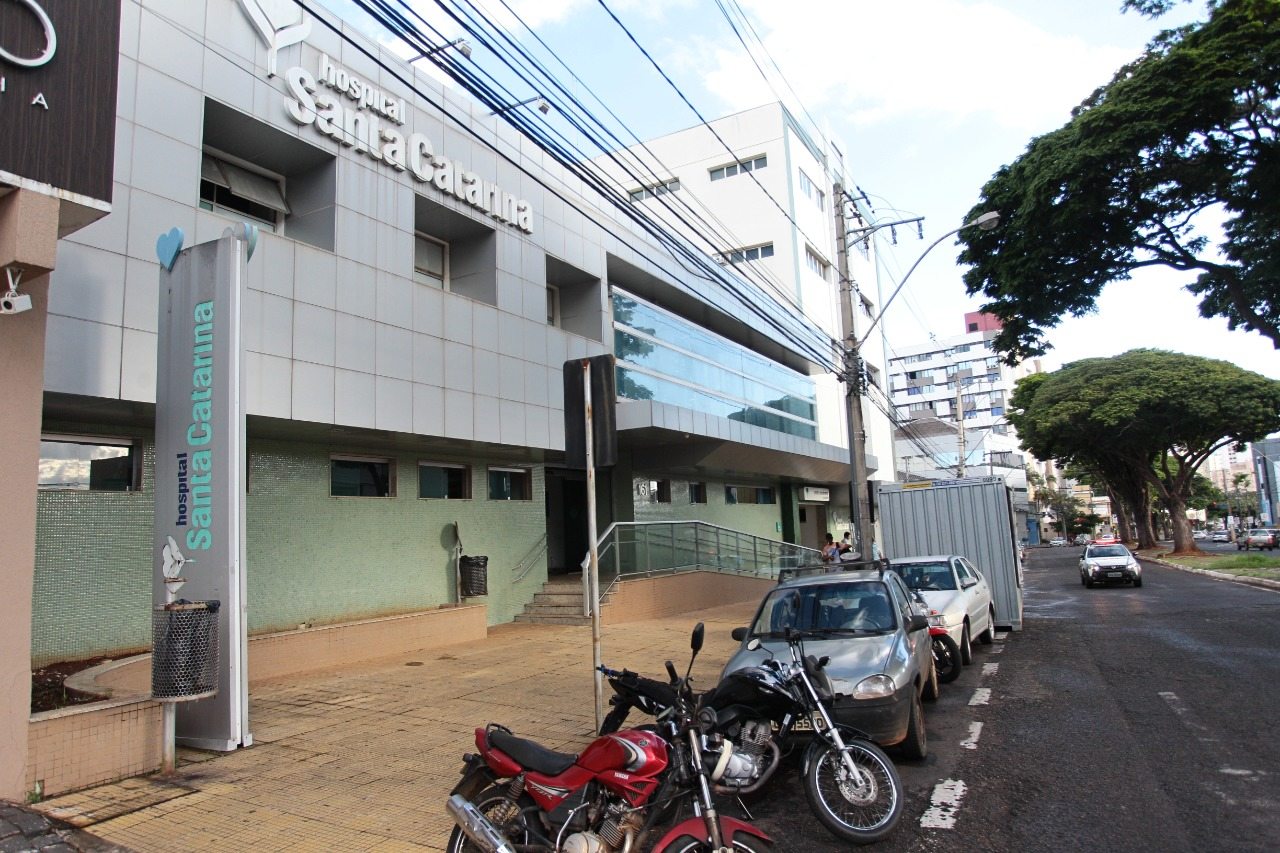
[551, 597]
[541, 619]
[555, 609]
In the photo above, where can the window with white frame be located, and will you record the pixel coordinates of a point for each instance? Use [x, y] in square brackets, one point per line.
[815, 263]
[811, 191]
[89, 463]
[654, 190]
[444, 480]
[747, 254]
[553, 306]
[721, 172]
[430, 261]
[510, 484]
[234, 186]
[361, 477]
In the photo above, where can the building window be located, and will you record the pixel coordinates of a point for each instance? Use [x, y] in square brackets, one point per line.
[553, 306]
[697, 493]
[721, 172]
[749, 495]
[812, 192]
[510, 484]
[815, 263]
[748, 253]
[655, 190]
[361, 477]
[430, 261]
[241, 190]
[89, 463]
[444, 480]
[660, 491]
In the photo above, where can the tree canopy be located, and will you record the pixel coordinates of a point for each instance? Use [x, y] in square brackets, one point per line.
[1182, 141]
[1144, 420]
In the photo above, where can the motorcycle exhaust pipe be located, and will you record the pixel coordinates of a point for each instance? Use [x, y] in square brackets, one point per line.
[477, 827]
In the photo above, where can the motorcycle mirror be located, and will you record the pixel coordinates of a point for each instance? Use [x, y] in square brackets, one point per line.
[753, 644]
[824, 660]
[671, 671]
[695, 642]
[738, 634]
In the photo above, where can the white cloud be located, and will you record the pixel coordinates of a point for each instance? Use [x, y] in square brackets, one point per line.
[949, 59]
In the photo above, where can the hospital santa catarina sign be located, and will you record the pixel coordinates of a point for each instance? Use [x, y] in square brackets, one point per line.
[341, 105]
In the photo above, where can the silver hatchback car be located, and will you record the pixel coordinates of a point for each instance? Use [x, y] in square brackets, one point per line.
[869, 625]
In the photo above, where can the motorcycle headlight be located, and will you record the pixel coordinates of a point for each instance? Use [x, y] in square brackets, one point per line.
[874, 687]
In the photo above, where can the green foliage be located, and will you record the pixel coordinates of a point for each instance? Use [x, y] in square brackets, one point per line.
[1182, 138]
[1143, 420]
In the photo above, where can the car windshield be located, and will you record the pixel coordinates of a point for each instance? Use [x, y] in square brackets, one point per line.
[927, 576]
[1109, 551]
[862, 607]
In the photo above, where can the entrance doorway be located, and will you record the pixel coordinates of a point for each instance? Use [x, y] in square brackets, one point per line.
[567, 541]
[813, 525]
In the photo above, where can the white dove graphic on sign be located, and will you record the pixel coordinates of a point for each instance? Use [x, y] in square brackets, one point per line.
[280, 23]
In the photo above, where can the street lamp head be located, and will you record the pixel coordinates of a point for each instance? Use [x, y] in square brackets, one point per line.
[988, 220]
[464, 47]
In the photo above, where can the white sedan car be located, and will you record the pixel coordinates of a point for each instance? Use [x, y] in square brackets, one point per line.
[958, 596]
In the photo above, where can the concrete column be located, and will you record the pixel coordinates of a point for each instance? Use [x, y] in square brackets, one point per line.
[28, 241]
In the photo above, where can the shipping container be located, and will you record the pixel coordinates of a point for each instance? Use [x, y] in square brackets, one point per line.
[972, 517]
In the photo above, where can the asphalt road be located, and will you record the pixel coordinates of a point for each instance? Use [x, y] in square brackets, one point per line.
[1119, 719]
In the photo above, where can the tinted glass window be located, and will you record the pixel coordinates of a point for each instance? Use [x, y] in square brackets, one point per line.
[364, 478]
[1108, 551]
[850, 606]
[927, 576]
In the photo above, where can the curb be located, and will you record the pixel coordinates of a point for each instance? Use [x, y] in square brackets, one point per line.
[1264, 583]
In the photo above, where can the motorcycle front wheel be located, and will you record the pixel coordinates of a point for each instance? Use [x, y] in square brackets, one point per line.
[946, 658]
[742, 843]
[862, 813]
[503, 812]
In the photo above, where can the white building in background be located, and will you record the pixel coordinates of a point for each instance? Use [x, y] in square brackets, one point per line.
[759, 192]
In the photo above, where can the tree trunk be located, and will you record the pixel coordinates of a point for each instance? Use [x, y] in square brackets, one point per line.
[1182, 541]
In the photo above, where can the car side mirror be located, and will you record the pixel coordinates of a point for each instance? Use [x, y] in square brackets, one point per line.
[695, 642]
[738, 634]
[917, 622]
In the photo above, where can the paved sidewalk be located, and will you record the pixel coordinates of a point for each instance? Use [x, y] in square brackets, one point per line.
[25, 829]
[363, 758]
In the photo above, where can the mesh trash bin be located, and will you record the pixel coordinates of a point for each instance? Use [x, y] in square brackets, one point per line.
[184, 658]
[475, 576]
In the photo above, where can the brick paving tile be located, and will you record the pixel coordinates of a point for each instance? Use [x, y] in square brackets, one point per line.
[363, 758]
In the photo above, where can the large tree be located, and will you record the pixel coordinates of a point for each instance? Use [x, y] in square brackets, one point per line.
[1178, 149]
[1146, 416]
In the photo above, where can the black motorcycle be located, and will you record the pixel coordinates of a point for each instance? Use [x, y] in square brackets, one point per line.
[851, 785]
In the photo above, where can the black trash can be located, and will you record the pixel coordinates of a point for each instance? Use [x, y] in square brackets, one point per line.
[184, 658]
[475, 576]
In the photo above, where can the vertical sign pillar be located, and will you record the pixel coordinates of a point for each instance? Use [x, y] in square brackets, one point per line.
[200, 464]
[594, 562]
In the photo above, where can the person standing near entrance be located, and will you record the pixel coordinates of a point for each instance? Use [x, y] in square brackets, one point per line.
[830, 551]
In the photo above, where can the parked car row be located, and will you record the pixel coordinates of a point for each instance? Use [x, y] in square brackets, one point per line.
[1261, 538]
[869, 619]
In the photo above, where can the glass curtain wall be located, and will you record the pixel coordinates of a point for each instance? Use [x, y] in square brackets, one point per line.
[668, 359]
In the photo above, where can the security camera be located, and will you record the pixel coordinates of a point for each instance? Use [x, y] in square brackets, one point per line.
[15, 303]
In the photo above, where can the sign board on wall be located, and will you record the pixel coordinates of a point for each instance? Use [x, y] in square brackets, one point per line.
[200, 463]
[815, 493]
[58, 62]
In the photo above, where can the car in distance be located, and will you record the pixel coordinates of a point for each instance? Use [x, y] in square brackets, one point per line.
[1058, 542]
[957, 594]
[1262, 538]
[866, 622]
[1220, 536]
[1199, 535]
[1112, 563]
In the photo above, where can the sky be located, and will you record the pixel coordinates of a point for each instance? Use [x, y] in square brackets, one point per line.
[928, 98]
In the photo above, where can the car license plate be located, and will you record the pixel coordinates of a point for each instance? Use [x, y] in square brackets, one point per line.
[1115, 574]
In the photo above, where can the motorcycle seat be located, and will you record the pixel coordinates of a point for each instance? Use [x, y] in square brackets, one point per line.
[530, 755]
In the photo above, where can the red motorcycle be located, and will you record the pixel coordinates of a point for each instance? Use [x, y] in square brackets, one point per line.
[613, 797]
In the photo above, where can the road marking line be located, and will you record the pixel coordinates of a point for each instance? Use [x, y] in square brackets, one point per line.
[995, 650]
[990, 669]
[943, 805]
[981, 696]
[1000, 635]
[975, 730]
[1186, 716]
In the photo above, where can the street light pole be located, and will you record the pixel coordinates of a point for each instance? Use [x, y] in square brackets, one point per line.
[853, 376]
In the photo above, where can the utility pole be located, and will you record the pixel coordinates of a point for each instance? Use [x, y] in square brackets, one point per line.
[960, 426]
[853, 376]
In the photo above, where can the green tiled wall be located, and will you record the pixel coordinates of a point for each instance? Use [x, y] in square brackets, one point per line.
[311, 558]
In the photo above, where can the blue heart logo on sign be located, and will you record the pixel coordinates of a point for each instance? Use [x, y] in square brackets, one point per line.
[168, 245]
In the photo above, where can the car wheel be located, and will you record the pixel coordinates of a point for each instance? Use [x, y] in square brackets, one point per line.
[966, 646]
[988, 636]
[1088, 582]
[916, 745]
[931, 690]
[1137, 581]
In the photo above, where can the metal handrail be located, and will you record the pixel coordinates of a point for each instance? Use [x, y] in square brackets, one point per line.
[523, 567]
[730, 549]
